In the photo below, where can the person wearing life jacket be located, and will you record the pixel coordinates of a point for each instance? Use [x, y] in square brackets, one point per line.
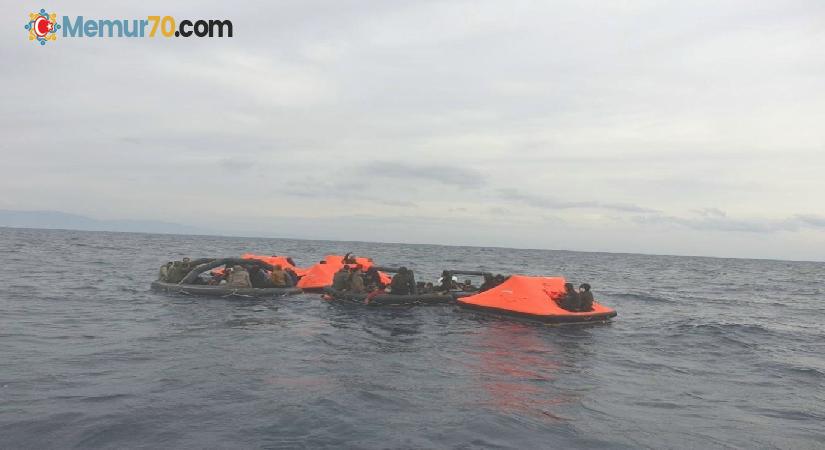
[278, 277]
[570, 301]
[239, 278]
[340, 281]
[585, 298]
[356, 281]
[372, 279]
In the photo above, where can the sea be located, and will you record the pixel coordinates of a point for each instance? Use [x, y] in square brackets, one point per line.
[705, 353]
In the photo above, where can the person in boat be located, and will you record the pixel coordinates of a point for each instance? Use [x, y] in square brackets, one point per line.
[585, 298]
[468, 286]
[177, 271]
[447, 282]
[570, 301]
[356, 280]
[278, 277]
[403, 283]
[372, 279]
[258, 277]
[429, 288]
[340, 281]
[489, 282]
[349, 258]
[163, 274]
[290, 261]
[239, 278]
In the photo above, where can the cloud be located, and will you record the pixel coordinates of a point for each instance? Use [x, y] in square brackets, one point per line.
[445, 174]
[538, 201]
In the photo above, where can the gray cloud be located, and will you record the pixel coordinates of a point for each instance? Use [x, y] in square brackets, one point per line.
[538, 201]
[449, 175]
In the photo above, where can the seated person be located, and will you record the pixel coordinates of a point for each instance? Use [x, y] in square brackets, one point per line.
[340, 281]
[278, 277]
[429, 288]
[258, 277]
[356, 281]
[570, 301]
[585, 297]
[239, 278]
[447, 282]
[489, 282]
[468, 286]
[403, 283]
[372, 279]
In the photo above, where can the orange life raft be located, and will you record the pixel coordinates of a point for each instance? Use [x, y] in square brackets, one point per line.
[533, 298]
[320, 275]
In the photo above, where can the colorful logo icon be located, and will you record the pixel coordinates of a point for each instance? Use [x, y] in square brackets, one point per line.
[42, 26]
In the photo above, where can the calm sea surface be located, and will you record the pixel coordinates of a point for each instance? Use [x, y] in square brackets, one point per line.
[705, 353]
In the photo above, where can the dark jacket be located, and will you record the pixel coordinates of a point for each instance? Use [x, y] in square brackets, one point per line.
[403, 284]
[586, 299]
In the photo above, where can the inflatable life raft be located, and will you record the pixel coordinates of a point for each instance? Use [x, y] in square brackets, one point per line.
[533, 298]
[388, 299]
[320, 275]
[187, 286]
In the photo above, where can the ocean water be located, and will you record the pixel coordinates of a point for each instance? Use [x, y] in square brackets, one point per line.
[705, 353]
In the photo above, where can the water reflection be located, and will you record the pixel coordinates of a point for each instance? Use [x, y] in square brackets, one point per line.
[519, 367]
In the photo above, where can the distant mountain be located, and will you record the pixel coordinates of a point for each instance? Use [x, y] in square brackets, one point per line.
[61, 220]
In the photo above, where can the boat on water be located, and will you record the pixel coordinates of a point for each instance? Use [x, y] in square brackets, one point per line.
[189, 284]
[533, 298]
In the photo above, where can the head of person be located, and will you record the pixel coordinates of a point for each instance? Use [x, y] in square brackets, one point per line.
[569, 287]
[277, 267]
[185, 260]
[585, 287]
[429, 284]
[468, 283]
[402, 269]
[446, 275]
[357, 268]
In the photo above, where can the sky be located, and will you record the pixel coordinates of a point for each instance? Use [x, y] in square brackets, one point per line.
[693, 128]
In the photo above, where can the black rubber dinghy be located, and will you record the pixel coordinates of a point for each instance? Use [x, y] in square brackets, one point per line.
[186, 286]
[389, 299]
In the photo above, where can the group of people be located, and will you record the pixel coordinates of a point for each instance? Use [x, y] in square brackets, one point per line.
[175, 271]
[573, 300]
[252, 276]
[353, 278]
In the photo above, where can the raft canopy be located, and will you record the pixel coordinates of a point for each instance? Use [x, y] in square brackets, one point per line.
[320, 275]
[535, 296]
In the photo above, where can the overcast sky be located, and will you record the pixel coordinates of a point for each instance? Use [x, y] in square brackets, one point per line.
[654, 127]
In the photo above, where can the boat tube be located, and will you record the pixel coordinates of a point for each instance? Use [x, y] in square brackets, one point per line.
[533, 298]
[388, 299]
[186, 285]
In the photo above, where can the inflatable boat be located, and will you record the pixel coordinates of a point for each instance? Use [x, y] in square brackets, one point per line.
[388, 299]
[319, 276]
[188, 286]
[533, 298]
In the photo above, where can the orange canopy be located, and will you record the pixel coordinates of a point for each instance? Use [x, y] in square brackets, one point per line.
[529, 295]
[320, 275]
